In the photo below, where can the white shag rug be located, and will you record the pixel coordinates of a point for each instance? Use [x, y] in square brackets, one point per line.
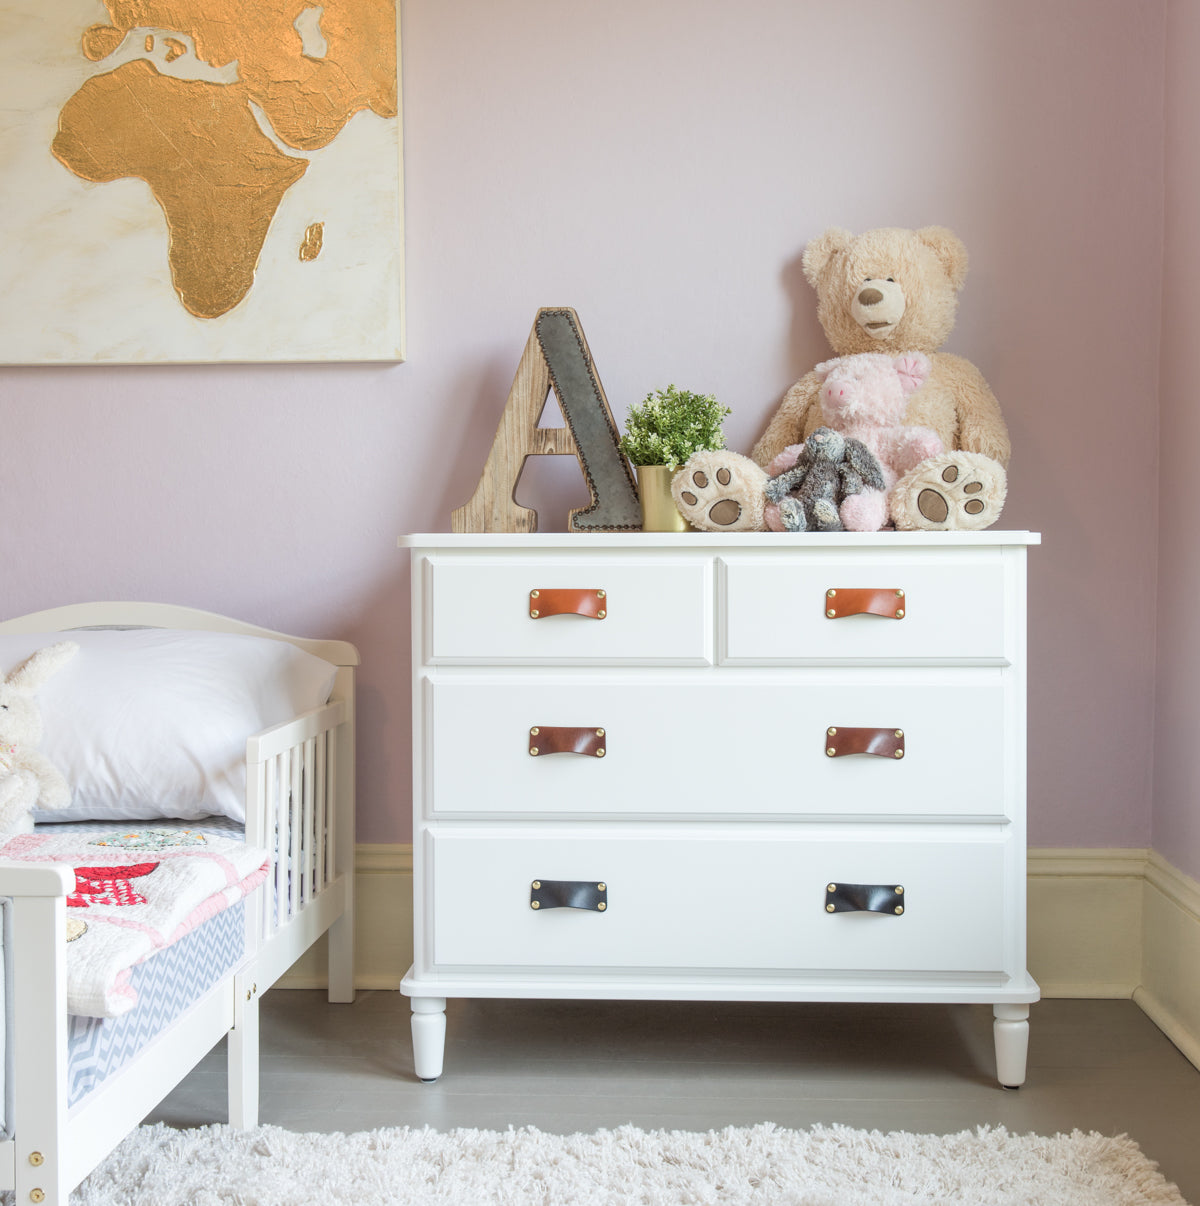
[763, 1165]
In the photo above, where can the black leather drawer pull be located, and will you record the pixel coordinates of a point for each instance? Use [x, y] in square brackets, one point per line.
[568, 894]
[864, 898]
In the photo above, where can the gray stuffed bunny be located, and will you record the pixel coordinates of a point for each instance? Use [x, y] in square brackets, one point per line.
[830, 467]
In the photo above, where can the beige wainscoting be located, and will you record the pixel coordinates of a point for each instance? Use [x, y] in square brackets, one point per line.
[1102, 923]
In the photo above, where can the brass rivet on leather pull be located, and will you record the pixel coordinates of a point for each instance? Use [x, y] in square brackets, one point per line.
[36, 1195]
[899, 889]
[829, 908]
[37, 1159]
[600, 594]
[533, 749]
[832, 732]
[533, 904]
[829, 594]
[537, 883]
[601, 907]
[899, 732]
[533, 594]
[533, 732]
[599, 732]
[899, 753]
[899, 613]
[831, 613]
[601, 614]
[831, 887]
[600, 752]
[831, 752]
[899, 594]
[899, 910]
[535, 614]
[601, 887]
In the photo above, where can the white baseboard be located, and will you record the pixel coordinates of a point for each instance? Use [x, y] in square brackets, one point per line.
[382, 924]
[1085, 921]
[1102, 923]
[1170, 988]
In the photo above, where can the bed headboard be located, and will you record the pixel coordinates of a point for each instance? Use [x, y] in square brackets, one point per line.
[167, 615]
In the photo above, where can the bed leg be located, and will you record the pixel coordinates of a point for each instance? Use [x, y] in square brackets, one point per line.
[243, 1055]
[341, 959]
[429, 1036]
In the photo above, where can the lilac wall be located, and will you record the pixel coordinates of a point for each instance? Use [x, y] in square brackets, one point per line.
[1177, 729]
[659, 167]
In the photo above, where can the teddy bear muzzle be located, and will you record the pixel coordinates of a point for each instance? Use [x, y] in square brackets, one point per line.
[878, 307]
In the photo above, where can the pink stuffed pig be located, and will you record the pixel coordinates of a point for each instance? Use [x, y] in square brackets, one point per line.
[865, 397]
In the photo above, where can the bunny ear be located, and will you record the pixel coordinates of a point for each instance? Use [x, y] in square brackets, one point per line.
[913, 369]
[35, 670]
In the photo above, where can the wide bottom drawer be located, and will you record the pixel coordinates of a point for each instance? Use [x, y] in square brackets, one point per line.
[719, 900]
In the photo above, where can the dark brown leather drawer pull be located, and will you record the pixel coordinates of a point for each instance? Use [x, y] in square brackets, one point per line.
[568, 894]
[864, 898]
[559, 739]
[544, 602]
[884, 743]
[843, 601]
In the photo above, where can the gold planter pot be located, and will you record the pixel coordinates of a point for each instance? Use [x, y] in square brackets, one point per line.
[659, 513]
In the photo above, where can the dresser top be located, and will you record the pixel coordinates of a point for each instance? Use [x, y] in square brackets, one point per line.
[714, 540]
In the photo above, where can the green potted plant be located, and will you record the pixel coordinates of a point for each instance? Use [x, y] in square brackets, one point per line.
[660, 435]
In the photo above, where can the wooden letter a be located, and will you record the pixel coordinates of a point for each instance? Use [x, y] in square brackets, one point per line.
[556, 356]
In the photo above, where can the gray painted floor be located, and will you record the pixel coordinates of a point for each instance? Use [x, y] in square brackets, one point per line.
[567, 1066]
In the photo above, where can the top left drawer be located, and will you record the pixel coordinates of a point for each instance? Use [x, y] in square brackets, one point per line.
[479, 610]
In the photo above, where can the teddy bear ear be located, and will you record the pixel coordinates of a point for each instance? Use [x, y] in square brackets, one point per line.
[36, 669]
[821, 250]
[949, 249]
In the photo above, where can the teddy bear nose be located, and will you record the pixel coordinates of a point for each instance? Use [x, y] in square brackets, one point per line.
[870, 297]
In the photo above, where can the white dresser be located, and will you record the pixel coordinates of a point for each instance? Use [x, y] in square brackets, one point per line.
[746, 767]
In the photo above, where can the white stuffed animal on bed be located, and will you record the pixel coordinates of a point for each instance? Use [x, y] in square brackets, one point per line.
[28, 779]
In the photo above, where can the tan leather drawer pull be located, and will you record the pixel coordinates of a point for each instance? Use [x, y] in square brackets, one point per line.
[884, 743]
[843, 601]
[559, 739]
[545, 601]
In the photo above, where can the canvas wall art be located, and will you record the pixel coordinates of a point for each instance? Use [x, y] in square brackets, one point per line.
[200, 180]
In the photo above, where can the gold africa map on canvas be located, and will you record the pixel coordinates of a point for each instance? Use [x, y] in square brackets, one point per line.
[193, 181]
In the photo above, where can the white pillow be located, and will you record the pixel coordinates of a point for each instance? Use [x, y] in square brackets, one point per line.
[152, 722]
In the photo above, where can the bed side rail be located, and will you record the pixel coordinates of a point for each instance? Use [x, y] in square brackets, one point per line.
[291, 801]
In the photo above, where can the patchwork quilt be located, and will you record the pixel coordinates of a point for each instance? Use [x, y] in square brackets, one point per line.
[136, 892]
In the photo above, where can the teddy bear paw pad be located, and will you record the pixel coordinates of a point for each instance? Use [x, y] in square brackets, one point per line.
[717, 494]
[958, 491]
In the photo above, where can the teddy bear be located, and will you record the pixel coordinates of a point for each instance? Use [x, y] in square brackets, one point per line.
[28, 779]
[891, 291]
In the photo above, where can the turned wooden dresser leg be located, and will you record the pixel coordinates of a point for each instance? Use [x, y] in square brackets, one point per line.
[429, 1036]
[1011, 1031]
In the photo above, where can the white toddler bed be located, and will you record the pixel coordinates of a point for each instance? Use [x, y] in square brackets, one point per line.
[294, 794]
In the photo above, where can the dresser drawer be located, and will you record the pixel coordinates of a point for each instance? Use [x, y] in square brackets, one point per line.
[935, 610]
[718, 900]
[480, 610]
[724, 742]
